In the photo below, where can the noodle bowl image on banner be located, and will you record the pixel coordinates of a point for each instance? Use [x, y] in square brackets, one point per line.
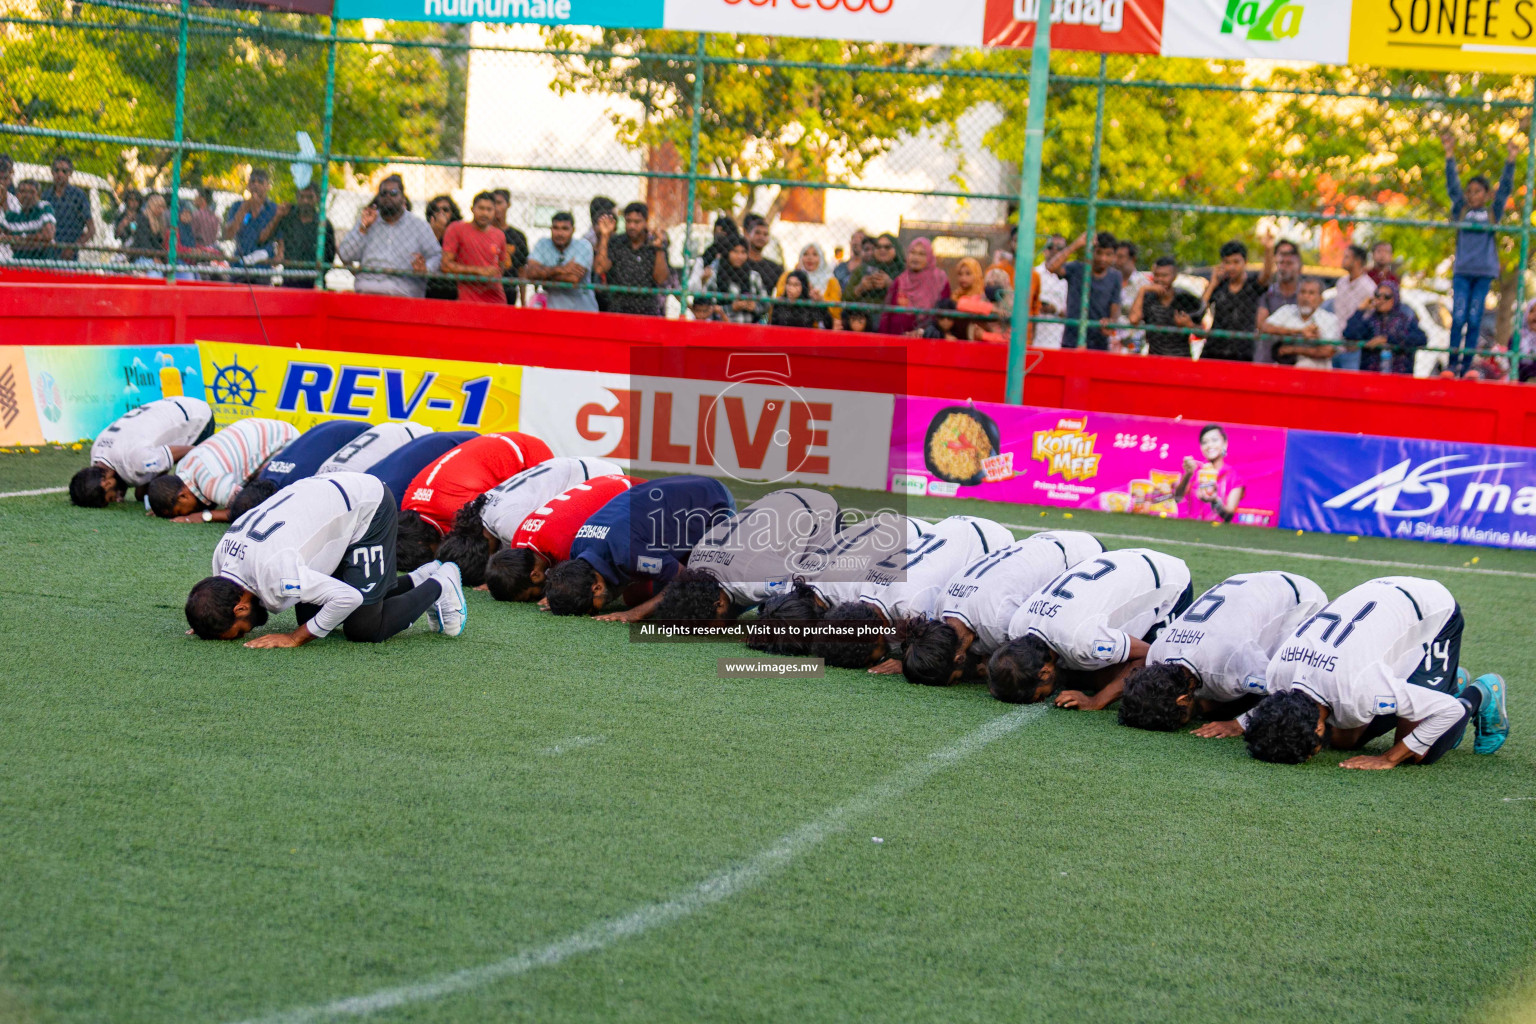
[1174, 469]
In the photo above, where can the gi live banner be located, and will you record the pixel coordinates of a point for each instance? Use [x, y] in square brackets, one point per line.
[1172, 469]
[1422, 490]
[1443, 35]
[309, 386]
[67, 393]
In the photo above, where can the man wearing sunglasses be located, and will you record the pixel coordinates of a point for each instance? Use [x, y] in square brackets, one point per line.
[393, 248]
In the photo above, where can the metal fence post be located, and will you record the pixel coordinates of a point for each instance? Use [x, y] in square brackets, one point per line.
[324, 167]
[1029, 204]
[178, 138]
[693, 171]
[1525, 241]
[1093, 204]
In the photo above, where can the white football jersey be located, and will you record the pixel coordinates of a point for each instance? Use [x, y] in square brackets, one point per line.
[911, 582]
[1227, 637]
[515, 498]
[757, 552]
[1357, 653]
[137, 444]
[837, 572]
[285, 549]
[365, 450]
[986, 594]
[1089, 614]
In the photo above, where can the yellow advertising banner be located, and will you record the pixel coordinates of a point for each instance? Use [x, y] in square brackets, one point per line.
[18, 413]
[309, 386]
[1445, 35]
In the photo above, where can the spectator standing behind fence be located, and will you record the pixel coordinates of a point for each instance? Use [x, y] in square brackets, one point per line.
[1281, 292]
[477, 248]
[73, 225]
[871, 282]
[1390, 334]
[1233, 298]
[736, 277]
[638, 260]
[517, 245]
[200, 224]
[292, 235]
[919, 286]
[702, 276]
[1052, 294]
[1353, 291]
[8, 200]
[388, 237]
[563, 264]
[151, 232]
[844, 270]
[1161, 306]
[246, 220]
[1383, 263]
[1305, 327]
[822, 283]
[1132, 282]
[441, 212]
[132, 203]
[29, 227]
[1477, 252]
[600, 210]
[1103, 283]
[797, 288]
[1525, 332]
[754, 227]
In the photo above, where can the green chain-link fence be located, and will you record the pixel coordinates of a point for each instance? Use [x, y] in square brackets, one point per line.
[821, 137]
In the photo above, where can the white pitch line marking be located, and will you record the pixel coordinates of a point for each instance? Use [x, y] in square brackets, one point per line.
[717, 888]
[571, 743]
[1517, 799]
[29, 494]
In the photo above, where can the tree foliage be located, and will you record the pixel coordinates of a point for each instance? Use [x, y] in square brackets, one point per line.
[757, 122]
[250, 83]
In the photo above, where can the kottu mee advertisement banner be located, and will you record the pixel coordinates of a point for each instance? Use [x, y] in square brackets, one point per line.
[1418, 490]
[1173, 469]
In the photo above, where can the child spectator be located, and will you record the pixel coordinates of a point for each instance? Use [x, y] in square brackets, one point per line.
[1477, 252]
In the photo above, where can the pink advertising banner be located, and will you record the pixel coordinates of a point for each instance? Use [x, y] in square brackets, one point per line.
[1175, 469]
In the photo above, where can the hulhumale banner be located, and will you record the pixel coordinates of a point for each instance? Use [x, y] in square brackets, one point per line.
[615, 13]
[1420, 490]
[1174, 469]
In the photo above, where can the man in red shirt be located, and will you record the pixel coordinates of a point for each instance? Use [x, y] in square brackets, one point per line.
[458, 476]
[516, 572]
[477, 248]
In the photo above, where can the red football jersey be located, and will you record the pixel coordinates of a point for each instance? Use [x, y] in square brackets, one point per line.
[464, 473]
[551, 530]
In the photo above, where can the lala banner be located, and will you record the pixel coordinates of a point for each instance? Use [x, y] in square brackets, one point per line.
[1173, 469]
[1441, 491]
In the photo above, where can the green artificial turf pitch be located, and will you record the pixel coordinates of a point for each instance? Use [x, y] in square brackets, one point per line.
[193, 831]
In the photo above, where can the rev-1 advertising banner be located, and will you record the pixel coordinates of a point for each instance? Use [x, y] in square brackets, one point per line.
[1174, 469]
[1442, 491]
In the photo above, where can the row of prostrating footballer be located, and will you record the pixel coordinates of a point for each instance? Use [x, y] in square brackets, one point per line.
[368, 527]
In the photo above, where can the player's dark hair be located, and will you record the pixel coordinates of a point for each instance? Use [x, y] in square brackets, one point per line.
[416, 541]
[849, 651]
[1282, 728]
[163, 491]
[691, 597]
[928, 652]
[251, 495]
[798, 605]
[86, 488]
[1013, 674]
[509, 573]
[568, 587]
[1234, 248]
[465, 545]
[211, 606]
[1151, 697]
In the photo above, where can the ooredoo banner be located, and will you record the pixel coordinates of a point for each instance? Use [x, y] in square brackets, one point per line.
[952, 23]
[1311, 30]
[309, 386]
[752, 431]
[1419, 490]
[1102, 26]
[78, 390]
[1445, 35]
[1139, 464]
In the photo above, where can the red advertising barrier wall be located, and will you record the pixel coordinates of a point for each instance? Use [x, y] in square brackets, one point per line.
[39, 309]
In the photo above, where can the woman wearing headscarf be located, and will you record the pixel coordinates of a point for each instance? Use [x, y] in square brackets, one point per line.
[702, 274]
[872, 282]
[823, 287]
[796, 286]
[735, 278]
[1386, 327]
[919, 286]
[970, 296]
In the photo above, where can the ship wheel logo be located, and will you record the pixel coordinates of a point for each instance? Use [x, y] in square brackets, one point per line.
[234, 384]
